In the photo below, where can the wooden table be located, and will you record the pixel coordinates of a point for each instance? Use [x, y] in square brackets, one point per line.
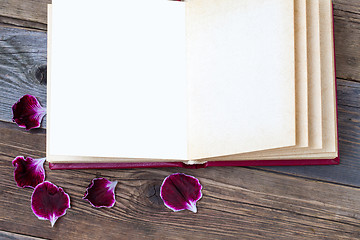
[304, 202]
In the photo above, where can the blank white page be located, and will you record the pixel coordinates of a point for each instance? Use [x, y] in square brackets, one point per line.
[241, 74]
[117, 85]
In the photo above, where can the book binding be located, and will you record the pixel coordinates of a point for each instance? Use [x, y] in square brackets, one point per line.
[123, 165]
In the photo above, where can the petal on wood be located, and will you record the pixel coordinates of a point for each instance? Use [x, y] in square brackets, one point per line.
[28, 172]
[27, 112]
[180, 191]
[49, 202]
[101, 193]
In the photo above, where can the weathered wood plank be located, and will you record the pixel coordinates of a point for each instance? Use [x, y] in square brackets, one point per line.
[347, 41]
[347, 38]
[237, 203]
[22, 67]
[13, 236]
[15, 141]
[24, 13]
[348, 93]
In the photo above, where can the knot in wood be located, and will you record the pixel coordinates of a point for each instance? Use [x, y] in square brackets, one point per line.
[153, 194]
[41, 74]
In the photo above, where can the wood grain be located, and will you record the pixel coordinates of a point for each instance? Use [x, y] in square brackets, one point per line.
[347, 39]
[309, 202]
[13, 236]
[237, 203]
[22, 67]
[24, 13]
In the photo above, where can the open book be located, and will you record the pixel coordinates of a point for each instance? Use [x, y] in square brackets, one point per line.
[145, 83]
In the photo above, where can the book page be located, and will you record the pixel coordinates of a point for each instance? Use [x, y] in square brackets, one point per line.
[329, 140]
[118, 84]
[328, 86]
[301, 75]
[314, 66]
[328, 90]
[301, 89]
[241, 76]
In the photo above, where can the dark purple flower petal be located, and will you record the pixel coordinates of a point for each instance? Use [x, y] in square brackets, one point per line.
[28, 172]
[101, 193]
[28, 112]
[180, 191]
[49, 202]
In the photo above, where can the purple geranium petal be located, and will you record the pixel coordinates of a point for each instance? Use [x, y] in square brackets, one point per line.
[28, 172]
[180, 191]
[101, 193]
[28, 112]
[49, 202]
